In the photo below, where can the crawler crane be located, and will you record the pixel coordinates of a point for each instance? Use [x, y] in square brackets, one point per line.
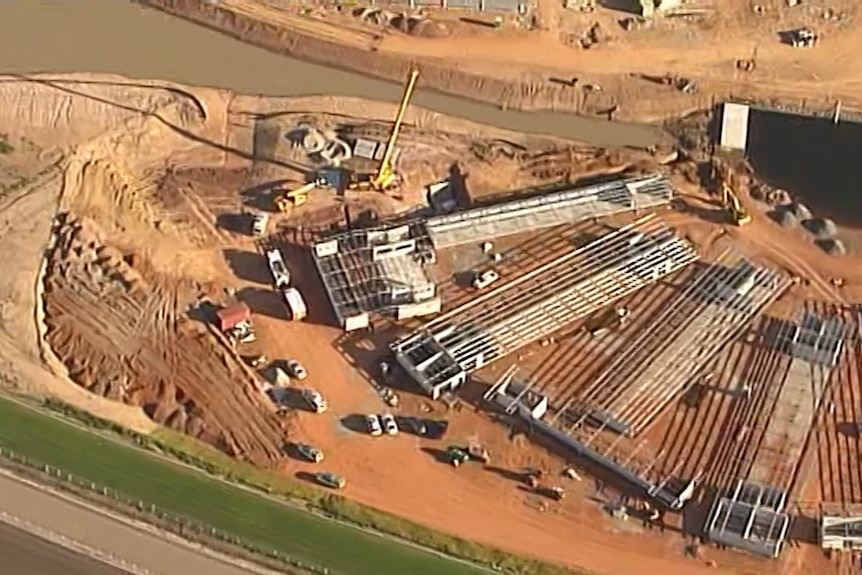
[385, 177]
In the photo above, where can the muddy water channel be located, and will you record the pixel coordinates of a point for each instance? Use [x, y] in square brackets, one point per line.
[116, 36]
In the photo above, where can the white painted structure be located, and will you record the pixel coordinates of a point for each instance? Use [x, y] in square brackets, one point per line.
[734, 126]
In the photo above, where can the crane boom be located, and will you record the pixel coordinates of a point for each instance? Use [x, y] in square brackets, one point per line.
[385, 174]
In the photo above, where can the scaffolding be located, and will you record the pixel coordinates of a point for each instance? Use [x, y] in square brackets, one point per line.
[549, 209]
[377, 271]
[667, 357]
[541, 302]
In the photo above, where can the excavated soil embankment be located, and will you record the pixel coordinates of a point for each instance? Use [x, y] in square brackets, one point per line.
[384, 66]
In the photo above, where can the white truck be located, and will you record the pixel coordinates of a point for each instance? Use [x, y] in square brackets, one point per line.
[296, 307]
[278, 269]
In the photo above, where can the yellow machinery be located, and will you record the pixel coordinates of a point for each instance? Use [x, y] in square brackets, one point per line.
[293, 198]
[385, 177]
[731, 203]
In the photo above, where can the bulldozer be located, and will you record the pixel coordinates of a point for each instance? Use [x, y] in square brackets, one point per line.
[385, 177]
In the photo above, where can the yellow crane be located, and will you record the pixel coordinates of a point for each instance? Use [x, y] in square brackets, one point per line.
[731, 203]
[385, 176]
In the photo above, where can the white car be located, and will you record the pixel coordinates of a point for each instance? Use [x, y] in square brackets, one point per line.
[374, 427]
[295, 369]
[315, 400]
[389, 424]
[485, 279]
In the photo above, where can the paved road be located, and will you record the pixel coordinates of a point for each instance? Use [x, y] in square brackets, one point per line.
[93, 530]
[26, 554]
[115, 36]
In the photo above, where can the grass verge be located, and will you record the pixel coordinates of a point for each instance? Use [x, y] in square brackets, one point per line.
[263, 522]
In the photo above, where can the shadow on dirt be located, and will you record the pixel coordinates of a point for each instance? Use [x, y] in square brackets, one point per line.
[508, 474]
[235, 223]
[306, 476]
[248, 266]
[439, 455]
[264, 302]
[355, 422]
[288, 398]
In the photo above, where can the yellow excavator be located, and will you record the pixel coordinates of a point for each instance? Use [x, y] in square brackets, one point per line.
[734, 208]
[293, 198]
[385, 177]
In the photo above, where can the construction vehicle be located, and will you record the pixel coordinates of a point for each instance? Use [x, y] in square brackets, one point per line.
[385, 177]
[731, 203]
[235, 322]
[456, 456]
[294, 198]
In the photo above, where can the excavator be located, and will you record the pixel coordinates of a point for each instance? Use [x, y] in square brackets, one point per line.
[294, 198]
[734, 208]
[729, 200]
[385, 177]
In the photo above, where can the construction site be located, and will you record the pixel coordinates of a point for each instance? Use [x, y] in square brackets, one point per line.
[653, 351]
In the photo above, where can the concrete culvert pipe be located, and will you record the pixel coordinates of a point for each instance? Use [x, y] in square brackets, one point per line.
[833, 247]
[783, 217]
[336, 151]
[825, 228]
[313, 142]
[801, 212]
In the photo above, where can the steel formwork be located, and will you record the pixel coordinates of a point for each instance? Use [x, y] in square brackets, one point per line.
[817, 340]
[544, 301]
[377, 270]
[667, 356]
[549, 209]
[841, 533]
[751, 518]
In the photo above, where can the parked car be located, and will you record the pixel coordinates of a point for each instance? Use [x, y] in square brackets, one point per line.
[456, 456]
[315, 400]
[484, 279]
[375, 428]
[389, 424]
[295, 369]
[309, 452]
[329, 479]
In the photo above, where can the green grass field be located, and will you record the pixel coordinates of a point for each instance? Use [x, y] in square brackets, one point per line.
[172, 488]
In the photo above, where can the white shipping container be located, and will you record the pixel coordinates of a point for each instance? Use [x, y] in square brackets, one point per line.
[295, 304]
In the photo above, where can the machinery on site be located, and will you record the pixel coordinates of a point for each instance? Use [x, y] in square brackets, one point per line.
[235, 322]
[385, 177]
[289, 199]
[738, 215]
[722, 175]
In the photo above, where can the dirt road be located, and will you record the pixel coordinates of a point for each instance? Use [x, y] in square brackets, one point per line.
[27, 554]
[91, 529]
[104, 36]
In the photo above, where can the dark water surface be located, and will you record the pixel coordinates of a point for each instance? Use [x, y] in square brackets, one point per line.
[819, 162]
[116, 36]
